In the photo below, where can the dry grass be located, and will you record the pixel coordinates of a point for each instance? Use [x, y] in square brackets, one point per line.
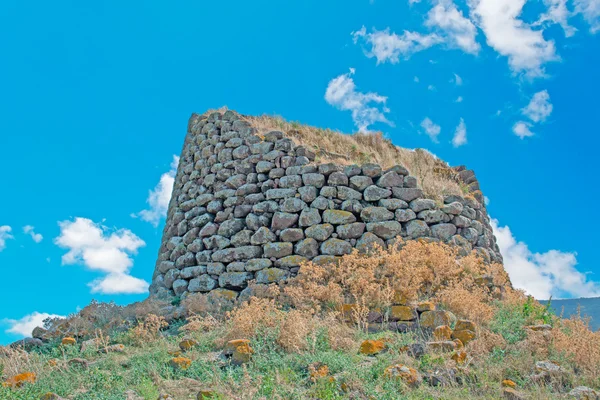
[434, 176]
[293, 330]
[418, 270]
[574, 338]
[148, 329]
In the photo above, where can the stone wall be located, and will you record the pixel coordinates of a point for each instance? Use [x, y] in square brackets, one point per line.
[248, 206]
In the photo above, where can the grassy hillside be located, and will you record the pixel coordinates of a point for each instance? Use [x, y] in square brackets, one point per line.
[412, 323]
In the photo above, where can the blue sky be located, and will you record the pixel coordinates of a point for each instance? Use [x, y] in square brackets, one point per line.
[94, 99]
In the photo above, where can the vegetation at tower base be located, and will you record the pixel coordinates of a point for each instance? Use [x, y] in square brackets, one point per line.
[403, 314]
[418, 321]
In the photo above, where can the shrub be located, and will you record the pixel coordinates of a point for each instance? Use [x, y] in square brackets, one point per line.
[417, 270]
[148, 329]
[509, 321]
[291, 330]
[574, 338]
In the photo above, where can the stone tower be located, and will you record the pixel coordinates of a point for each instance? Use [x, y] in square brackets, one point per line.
[254, 205]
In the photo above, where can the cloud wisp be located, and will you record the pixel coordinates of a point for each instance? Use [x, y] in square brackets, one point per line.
[431, 129]
[590, 9]
[522, 129]
[460, 134]
[457, 30]
[386, 46]
[92, 245]
[5, 234]
[366, 108]
[557, 13]
[159, 197]
[539, 108]
[30, 230]
[448, 25]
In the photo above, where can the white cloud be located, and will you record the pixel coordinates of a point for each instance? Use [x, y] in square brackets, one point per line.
[5, 235]
[432, 130]
[411, 2]
[367, 108]
[557, 13]
[459, 99]
[591, 12]
[457, 80]
[521, 129]
[539, 108]
[386, 46]
[28, 323]
[416, 79]
[459, 30]
[29, 230]
[92, 245]
[460, 134]
[527, 49]
[542, 275]
[431, 88]
[119, 283]
[159, 198]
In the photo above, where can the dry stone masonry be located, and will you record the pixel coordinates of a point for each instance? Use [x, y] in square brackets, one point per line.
[254, 207]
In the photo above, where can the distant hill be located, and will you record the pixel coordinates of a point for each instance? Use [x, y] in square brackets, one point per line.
[590, 307]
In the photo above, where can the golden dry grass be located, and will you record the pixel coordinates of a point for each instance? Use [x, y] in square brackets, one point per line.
[418, 270]
[294, 330]
[434, 176]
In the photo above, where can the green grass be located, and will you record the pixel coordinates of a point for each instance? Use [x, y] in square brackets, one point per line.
[274, 373]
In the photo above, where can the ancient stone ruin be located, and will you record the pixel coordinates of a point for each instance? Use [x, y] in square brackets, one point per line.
[249, 206]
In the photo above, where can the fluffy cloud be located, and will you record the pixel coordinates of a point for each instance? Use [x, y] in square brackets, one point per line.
[29, 230]
[5, 235]
[459, 99]
[527, 49]
[590, 9]
[119, 283]
[367, 108]
[460, 134]
[28, 323]
[521, 129]
[458, 30]
[431, 129]
[91, 244]
[539, 108]
[542, 275]
[159, 197]
[390, 47]
[557, 13]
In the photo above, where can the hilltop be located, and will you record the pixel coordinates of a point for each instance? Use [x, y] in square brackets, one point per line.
[446, 335]
[301, 263]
